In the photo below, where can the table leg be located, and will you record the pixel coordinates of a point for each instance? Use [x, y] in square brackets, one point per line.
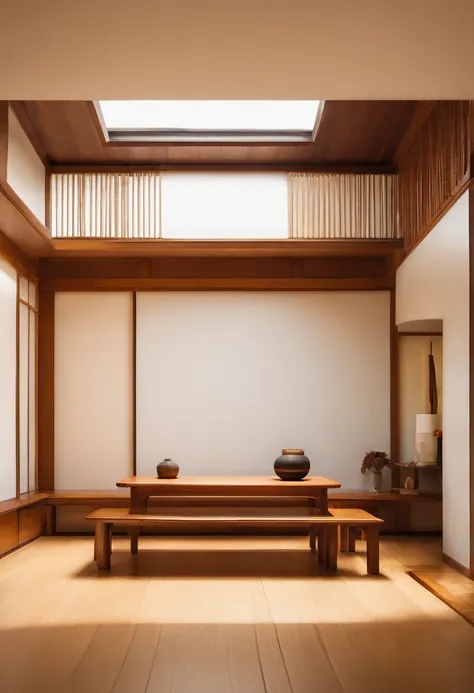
[138, 500]
[322, 534]
[352, 532]
[372, 533]
[343, 538]
[134, 534]
[102, 545]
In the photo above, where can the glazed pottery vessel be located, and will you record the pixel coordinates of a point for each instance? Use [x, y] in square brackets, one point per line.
[292, 465]
[167, 469]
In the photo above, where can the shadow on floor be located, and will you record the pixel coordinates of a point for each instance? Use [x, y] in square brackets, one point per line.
[208, 563]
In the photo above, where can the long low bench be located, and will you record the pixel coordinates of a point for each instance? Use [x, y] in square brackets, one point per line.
[327, 527]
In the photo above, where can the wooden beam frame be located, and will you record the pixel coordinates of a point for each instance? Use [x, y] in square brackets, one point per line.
[3, 140]
[45, 379]
[471, 378]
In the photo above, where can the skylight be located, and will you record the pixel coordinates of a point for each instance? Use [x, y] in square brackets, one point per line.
[209, 120]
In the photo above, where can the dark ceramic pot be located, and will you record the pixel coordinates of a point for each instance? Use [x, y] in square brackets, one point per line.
[167, 469]
[292, 465]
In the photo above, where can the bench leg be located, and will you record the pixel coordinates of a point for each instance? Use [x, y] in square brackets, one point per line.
[103, 545]
[332, 536]
[134, 533]
[372, 534]
[312, 539]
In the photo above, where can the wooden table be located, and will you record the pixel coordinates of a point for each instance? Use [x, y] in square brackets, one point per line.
[315, 489]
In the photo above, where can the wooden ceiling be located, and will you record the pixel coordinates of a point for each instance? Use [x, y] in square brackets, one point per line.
[352, 135]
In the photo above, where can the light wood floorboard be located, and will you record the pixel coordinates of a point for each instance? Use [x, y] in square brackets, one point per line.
[227, 615]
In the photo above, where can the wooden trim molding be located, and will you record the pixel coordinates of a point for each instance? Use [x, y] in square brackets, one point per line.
[394, 394]
[99, 122]
[283, 167]
[471, 376]
[45, 378]
[134, 384]
[20, 224]
[3, 140]
[17, 258]
[458, 566]
[216, 284]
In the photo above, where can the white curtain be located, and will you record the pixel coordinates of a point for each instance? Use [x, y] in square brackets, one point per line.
[105, 205]
[323, 205]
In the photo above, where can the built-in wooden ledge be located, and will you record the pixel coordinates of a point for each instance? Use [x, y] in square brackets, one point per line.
[21, 226]
[22, 501]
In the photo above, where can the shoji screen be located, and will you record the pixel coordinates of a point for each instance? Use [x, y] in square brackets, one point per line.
[93, 389]
[225, 380]
[224, 205]
[8, 313]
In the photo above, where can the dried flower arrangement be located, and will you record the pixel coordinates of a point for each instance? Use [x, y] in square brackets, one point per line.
[375, 461]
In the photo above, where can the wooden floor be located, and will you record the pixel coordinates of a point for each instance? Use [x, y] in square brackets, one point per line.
[226, 615]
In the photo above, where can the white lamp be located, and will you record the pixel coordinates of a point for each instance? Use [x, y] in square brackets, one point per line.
[426, 444]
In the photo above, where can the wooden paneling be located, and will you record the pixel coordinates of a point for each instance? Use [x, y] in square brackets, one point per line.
[264, 273]
[362, 131]
[351, 133]
[30, 523]
[25, 121]
[8, 532]
[46, 391]
[434, 170]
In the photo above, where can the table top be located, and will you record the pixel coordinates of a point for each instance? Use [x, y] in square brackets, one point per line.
[242, 484]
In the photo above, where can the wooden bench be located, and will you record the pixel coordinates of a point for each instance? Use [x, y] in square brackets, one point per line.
[328, 539]
[341, 536]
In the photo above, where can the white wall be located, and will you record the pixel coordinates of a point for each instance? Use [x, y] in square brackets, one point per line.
[8, 303]
[226, 380]
[93, 389]
[25, 170]
[433, 283]
[413, 378]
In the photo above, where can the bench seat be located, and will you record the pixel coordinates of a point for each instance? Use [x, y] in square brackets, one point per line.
[327, 527]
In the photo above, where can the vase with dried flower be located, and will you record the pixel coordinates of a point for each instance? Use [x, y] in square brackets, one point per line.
[375, 461]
